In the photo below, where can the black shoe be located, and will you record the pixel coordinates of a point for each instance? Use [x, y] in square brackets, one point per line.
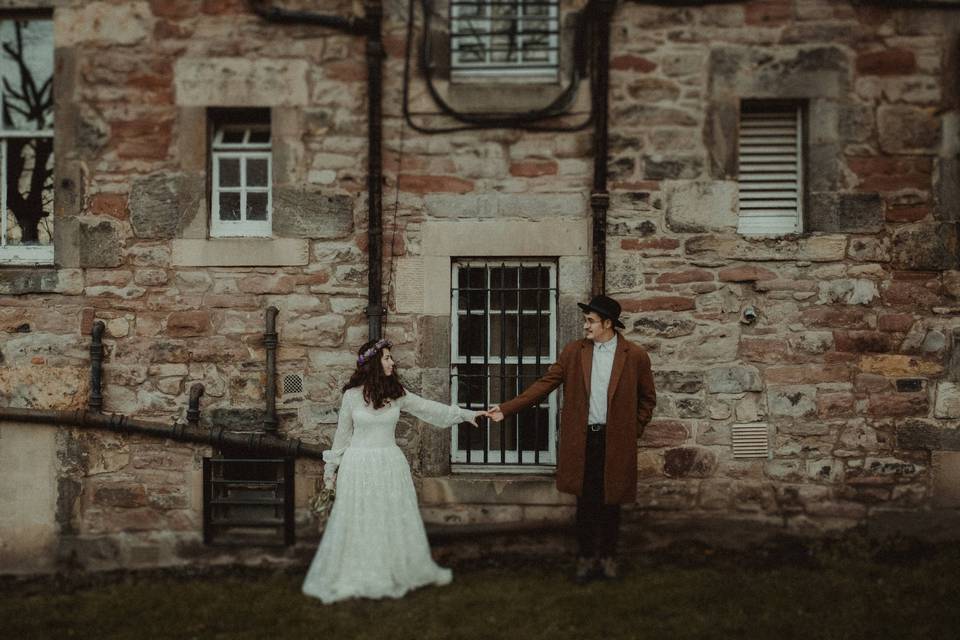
[586, 570]
[609, 568]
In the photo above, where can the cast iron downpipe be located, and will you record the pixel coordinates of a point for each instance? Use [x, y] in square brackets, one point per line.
[270, 345]
[369, 26]
[218, 437]
[193, 408]
[599, 196]
[95, 403]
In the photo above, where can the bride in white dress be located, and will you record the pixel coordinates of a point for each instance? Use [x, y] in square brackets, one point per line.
[374, 544]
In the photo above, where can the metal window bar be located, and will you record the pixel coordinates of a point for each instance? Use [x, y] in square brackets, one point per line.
[248, 501]
[488, 37]
[518, 289]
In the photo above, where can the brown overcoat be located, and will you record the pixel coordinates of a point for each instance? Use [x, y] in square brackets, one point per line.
[630, 400]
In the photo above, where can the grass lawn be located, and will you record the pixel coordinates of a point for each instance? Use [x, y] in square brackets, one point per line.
[840, 596]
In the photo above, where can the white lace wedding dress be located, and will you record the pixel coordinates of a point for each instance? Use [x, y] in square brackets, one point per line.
[374, 544]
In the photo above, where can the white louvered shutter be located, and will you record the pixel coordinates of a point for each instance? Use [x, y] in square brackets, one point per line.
[770, 172]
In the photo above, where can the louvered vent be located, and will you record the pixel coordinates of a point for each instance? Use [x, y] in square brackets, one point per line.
[751, 441]
[293, 385]
[770, 171]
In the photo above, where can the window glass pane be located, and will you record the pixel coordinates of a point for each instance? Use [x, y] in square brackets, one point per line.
[260, 136]
[229, 172]
[472, 336]
[29, 191]
[229, 206]
[503, 283]
[530, 337]
[503, 343]
[504, 30]
[534, 283]
[233, 136]
[256, 206]
[257, 172]
[472, 288]
[26, 69]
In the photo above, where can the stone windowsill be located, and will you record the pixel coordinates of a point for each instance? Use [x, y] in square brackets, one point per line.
[241, 252]
[493, 489]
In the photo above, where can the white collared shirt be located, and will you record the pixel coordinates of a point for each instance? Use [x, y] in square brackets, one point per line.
[603, 353]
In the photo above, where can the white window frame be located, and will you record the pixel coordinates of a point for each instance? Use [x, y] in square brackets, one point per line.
[487, 69]
[243, 151]
[19, 255]
[546, 460]
[770, 170]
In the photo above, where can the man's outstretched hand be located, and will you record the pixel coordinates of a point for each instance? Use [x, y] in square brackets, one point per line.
[495, 414]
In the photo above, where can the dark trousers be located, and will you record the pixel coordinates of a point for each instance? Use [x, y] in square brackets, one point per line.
[598, 524]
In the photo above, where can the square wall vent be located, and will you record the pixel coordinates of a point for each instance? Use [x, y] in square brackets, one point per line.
[751, 440]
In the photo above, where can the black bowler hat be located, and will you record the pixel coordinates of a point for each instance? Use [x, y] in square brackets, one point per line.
[605, 307]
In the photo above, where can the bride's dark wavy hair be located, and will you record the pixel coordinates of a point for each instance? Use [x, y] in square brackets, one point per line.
[378, 389]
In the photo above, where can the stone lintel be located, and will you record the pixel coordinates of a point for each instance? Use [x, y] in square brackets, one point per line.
[241, 252]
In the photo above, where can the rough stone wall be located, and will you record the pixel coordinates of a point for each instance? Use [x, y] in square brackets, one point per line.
[849, 360]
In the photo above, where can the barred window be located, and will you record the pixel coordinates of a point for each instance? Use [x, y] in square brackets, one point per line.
[26, 141]
[770, 169]
[241, 195]
[504, 337]
[497, 38]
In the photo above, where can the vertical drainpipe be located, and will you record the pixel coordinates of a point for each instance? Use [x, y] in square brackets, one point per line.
[95, 402]
[599, 196]
[270, 344]
[373, 10]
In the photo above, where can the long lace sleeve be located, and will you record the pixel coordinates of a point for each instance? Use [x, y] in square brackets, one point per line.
[436, 413]
[341, 439]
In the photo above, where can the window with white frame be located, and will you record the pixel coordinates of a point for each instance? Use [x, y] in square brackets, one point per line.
[504, 335]
[770, 173]
[241, 195]
[26, 141]
[491, 39]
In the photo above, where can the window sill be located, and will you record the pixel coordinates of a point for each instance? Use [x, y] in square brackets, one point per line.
[241, 252]
[491, 488]
[26, 256]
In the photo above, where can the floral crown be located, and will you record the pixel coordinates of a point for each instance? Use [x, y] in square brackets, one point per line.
[372, 351]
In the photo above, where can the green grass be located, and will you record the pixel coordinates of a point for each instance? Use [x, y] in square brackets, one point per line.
[834, 598]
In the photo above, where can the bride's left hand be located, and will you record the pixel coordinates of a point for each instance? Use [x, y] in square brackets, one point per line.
[481, 414]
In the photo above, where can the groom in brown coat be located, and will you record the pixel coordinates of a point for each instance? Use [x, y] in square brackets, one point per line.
[608, 398]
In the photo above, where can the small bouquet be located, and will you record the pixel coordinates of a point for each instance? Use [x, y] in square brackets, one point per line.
[322, 502]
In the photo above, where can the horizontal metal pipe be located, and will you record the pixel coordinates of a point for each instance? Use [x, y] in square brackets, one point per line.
[219, 437]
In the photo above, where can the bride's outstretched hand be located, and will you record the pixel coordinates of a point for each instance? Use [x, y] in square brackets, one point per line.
[494, 413]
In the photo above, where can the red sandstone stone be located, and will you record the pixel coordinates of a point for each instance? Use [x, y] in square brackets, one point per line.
[907, 214]
[885, 173]
[267, 284]
[38, 360]
[834, 405]
[632, 63]
[533, 168]
[806, 374]
[223, 7]
[109, 204]
[347, 71]
[664, 433]
[87, 316]
[320, 277]
[663, 303]
[862, 341]
[886, 405]
[434, 184]
[745, 273]
[768, 13]
[835, 317]
[910, 293]
[173, 9]
[142, 138]
[872, 383]
[182, 324]
[888, 62]
[682, 277]
[899, 322]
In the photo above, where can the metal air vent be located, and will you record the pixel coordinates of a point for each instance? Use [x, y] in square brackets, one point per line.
[751, 440]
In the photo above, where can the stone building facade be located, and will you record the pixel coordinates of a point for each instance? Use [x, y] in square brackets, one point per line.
[834, 343]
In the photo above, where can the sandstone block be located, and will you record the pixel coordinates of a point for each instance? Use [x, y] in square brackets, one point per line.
[701, 206]
[886, 62]
[241, 82]
[733, 380]
[664, 433]
[834, 212]
[908, 129]
[947, 403]
[689, 462]
[183, 324]
[925, 247]
[794, 402]
[305, 214]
